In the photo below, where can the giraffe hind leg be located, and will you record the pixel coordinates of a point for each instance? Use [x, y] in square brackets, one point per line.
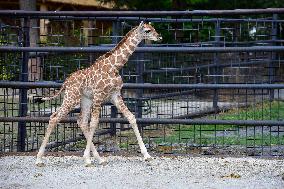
[83, 120]
[93, 125]
[53, 121]
[95, 153]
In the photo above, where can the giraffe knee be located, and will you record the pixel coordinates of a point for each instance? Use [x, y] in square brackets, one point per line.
[53, 121]
[79, 122]
[84, 128]
[53, 115]
[94, 123]
[131, 119]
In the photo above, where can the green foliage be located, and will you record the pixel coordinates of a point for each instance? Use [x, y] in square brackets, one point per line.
[9, 69]
[264, 111]
[242, 4]
[5, 75]
[59, 66]
[9, 66]
[162, 28]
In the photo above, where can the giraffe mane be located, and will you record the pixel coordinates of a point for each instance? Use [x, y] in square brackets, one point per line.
[118, 45]
[123, 39]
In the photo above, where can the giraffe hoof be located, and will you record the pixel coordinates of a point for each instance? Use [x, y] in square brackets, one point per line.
[103, 162]
[148, 158]
[88, 162]
[89, 165]
[40, 164]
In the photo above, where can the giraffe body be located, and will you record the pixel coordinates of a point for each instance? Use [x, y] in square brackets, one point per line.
[92, 86]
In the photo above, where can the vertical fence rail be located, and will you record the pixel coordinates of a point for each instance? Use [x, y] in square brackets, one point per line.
[272, 63]
[139, 79]
[216, 70]
[23, 95]
[115, 39]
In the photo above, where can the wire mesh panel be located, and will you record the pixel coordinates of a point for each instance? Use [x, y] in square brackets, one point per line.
[210, 139]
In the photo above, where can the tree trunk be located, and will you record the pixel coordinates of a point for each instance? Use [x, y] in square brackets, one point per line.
[34, 69]
[30, 5]
[43, 24]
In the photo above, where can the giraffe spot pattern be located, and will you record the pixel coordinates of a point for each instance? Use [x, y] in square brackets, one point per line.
[102, 77]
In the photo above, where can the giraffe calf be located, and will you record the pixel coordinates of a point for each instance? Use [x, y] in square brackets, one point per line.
[96, 84]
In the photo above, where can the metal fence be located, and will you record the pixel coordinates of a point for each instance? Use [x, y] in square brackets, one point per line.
[214, 85]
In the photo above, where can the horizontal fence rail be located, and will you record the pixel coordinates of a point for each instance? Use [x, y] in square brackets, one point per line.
[18, 85]
[153, 121]
[140, 13]
[147, 49]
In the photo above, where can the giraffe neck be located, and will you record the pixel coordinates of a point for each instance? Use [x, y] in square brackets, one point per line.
[125, 48]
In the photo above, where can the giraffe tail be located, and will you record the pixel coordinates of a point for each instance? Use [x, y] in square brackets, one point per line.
[43, 99]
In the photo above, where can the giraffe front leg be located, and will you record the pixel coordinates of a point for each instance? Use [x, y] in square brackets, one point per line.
[93, 126]
[132, 121]
[118, 102]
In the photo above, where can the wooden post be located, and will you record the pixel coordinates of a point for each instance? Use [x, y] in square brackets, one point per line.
[88, 27]
[43, 24]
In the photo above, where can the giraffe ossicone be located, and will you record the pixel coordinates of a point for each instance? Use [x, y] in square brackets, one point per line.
[92, 86]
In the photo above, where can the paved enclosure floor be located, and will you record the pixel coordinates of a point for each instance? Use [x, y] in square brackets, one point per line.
[131, 172]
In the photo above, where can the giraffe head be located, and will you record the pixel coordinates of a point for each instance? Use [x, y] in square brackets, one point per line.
[146, 31]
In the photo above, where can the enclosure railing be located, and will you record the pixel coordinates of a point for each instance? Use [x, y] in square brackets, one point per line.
[30, 85]
[224, 67]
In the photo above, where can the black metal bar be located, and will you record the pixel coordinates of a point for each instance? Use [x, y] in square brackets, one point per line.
[57, 144]
[115, 40]
[171, 94]
[23, 96]
[115, 31]
[155, 121]
[216, 69]
[206, 66]
[139, 80]
[153, 19]
[21, 13]
[146, 49]
[31, 85]
[113, 114]
[171, 20]
[272, 70]
[203, 86]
